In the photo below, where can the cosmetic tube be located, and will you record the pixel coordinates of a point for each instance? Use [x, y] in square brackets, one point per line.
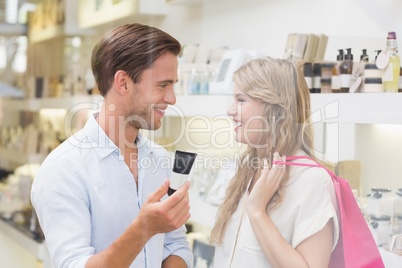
[183, 163]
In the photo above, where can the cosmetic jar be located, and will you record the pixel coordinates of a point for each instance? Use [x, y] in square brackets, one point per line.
[373, 85]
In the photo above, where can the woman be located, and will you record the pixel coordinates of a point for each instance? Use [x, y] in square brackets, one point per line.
[283, 216]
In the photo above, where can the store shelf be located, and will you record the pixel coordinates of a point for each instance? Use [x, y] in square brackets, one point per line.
[9, 29]
[188, 2]
[54, 19]
[363, 108]
[21, 158]
[36, 248]
[67, 103]
[108, 13]
[200, 105]
[368, 108]
[360, 108]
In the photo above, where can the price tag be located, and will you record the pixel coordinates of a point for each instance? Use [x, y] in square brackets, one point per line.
[382, 60]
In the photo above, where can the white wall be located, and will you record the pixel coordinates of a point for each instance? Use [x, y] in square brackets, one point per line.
[265, 24]
[379, 148]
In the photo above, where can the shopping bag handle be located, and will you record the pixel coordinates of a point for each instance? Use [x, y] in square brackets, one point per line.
[302, 164]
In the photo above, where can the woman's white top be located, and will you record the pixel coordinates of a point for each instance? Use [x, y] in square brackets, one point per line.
[309, 203]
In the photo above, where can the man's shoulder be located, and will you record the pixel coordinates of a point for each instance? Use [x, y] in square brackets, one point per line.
[72, 145]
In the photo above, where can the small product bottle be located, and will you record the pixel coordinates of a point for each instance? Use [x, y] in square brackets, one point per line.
[326, 70]
[357, 82]
[60, 87]
[317, 78]
[345, 70]
[326, 74]
[325, 85]
[335, 79]
[373, 77]
[308, 75]
[389, 61]
[400, 81]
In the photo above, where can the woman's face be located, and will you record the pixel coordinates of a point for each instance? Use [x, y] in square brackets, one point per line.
[250, 120]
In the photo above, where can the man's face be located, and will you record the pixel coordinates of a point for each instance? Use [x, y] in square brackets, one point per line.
[153, 94]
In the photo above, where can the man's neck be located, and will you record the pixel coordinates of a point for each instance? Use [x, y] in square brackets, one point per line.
[117, 130]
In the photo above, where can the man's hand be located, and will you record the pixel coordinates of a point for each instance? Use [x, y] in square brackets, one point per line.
[158, 216]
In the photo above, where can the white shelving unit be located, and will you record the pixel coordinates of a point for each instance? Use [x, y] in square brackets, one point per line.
[34, 105]
[373, 108]
[360, 108]
[21, 158]
[200, 105]
[37, 249]
[188, 2]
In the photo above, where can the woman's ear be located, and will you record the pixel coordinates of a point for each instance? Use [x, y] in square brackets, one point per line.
[120, 81]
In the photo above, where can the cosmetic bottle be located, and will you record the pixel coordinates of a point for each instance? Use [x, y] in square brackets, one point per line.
[308, 75]
[372, 77]
[326, 70]
[335, 79]
[400, 80]
[60, 87]
[389, 61]
[345, 70]
[326, 74]
[183, 163]
[357, 81]
[317, 78]
[398, 204]
[326, 85]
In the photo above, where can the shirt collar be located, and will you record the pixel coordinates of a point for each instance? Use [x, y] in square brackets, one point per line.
[104, 146]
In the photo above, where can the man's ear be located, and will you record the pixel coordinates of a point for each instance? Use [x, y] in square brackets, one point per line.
[120, 81]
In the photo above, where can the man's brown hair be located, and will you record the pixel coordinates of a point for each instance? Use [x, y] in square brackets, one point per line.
[132, 48]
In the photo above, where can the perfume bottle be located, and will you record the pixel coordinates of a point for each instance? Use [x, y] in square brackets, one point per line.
[389, 61]
[308, 75]
[345, 70]
[335, 79]
[357, 81]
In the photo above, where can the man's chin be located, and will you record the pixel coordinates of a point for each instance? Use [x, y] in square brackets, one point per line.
[154, 126]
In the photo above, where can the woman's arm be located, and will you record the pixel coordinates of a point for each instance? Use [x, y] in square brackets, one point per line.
[315, 251]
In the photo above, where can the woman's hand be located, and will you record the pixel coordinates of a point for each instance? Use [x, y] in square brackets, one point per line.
[266, 186]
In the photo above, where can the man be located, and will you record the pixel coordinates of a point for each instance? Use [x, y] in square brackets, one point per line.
[101, 195]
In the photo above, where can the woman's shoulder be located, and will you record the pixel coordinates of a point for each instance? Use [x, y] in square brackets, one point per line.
[308, 175]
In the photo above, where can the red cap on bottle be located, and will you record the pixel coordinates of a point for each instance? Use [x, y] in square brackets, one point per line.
[391, 35]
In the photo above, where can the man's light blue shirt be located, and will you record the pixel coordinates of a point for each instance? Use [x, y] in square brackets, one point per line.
[85, 197]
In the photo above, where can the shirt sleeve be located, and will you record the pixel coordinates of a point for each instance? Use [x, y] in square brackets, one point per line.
[176, 244]
[62, 207]
[318, 205]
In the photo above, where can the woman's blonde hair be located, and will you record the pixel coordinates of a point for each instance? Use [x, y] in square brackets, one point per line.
[281, 86]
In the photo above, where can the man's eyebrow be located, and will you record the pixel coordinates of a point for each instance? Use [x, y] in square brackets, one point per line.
[168, 81]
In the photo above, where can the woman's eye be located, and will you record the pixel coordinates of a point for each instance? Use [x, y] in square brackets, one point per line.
[240, 100]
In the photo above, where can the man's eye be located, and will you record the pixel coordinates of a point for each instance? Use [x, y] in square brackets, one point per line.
[163, 85]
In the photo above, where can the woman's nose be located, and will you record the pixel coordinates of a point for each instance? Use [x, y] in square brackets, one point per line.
[232, 110]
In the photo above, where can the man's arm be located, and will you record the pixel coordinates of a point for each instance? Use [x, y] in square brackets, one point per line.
[155, 217]
[174, 262]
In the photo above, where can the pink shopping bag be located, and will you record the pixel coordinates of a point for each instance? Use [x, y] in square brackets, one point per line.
[356, 247]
